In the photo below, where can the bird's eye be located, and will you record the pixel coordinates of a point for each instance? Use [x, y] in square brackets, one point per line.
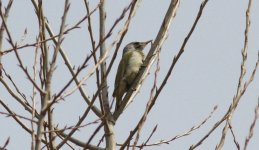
[137, 44]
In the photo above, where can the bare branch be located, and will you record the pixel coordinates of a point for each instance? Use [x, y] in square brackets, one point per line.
[68, 64]
[186, 133]
[73, 127]
[22, 101]
[81, 144]
[234, 137]
[94, 133]
[14, 116]
[2, 29]
[251, 131]
[108, 121]
[82, 118]
[240, 89]
[190, 131]
[93, 44]
[15, 86]
[5, 144]
[152, 133]
[176, 58]
[14, 46]
[76, 26]
[19, 116]
[47, 96]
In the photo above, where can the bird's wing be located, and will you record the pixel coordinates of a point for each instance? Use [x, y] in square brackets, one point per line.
[120, 72]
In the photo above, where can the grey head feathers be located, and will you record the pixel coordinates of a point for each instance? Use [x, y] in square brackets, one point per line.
[135, 46]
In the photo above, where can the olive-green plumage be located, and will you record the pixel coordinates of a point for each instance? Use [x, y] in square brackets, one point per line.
[129, 66]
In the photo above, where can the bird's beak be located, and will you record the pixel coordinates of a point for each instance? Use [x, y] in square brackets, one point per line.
[150, 41]
[143, 44]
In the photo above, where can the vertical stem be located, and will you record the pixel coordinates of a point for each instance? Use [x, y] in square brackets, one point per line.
[45, 68]
[108, 123]
[47, 96]
[43, 45]
[104, 93]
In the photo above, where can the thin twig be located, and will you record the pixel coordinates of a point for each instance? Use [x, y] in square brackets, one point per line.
[15, 86]
[19, 99]
[73, 127]
[81, 144]
[5, 144]
[34, 91]
[148, 139]
[2, 29]
[240, 90]
[82, 118]
[80, 83]
[10, 40]
[94, 133]
[90, 30]
[25, 70]
[186, 133]
[76, 26]
[19, 116]
[252, 126]
[234, 137]
[192, 129]
[14, 116]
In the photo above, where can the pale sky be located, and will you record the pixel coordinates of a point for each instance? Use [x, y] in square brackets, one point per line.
[206, 75]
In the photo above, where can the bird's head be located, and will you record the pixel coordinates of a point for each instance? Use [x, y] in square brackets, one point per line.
[135, 46]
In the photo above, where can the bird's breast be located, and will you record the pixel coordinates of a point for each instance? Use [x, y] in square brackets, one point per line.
[134, 63]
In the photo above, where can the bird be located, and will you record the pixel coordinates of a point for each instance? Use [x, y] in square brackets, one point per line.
[129, 66]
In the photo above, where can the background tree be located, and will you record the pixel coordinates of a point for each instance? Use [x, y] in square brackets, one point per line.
[67, 57]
